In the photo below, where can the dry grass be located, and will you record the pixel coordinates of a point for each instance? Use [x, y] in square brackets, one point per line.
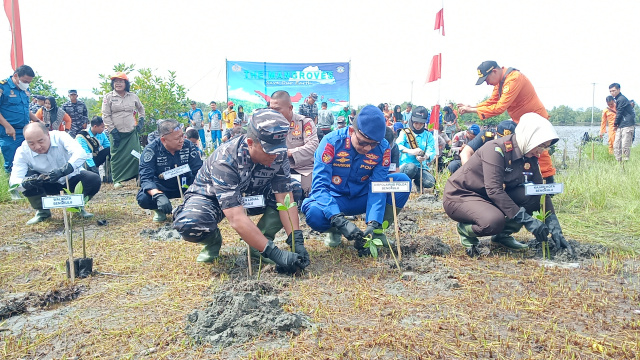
[507, 307]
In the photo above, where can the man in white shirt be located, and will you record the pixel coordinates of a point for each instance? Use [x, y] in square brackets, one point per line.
[42, 164]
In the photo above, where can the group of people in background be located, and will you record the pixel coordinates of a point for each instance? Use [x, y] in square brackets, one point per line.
[323, 162]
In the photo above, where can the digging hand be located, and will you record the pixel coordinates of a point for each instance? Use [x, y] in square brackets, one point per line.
[556, 233]
[300, 250]
[535, 226]
[473, 251]
[57, 174]
[163, 203]
[371, 226]
[286, 261]
[34, 181]
[346, 227]
[358, 244]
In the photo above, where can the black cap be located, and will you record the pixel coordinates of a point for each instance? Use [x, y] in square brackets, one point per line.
[193, 102]
[420, 114]
[271, 128]
[506, 127]
[484, 69]
[73, 92]
[40, 97]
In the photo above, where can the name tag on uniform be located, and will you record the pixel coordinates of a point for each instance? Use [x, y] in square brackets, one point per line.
[392, 167]
[176, 171]
[256, 201]
[135, 153]
[541, 189]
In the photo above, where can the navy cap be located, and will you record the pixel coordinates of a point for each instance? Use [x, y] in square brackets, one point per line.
[73, 92]
[506, 127]
[484, 69]
[420, 114]
[371, 123]
[271, 128]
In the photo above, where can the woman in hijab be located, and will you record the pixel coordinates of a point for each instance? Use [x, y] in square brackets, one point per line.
[52, 116]
[450, 121]
[118, 108]
[397, 114]
[487, 195]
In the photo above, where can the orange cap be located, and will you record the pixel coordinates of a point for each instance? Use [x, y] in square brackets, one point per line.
[120, 75]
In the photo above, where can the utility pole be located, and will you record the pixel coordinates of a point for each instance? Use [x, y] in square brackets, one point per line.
[593, 102]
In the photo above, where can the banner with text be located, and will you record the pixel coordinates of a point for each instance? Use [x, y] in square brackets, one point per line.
[251, 84]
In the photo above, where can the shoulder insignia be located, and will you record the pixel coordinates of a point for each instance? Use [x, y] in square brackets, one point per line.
[148, 155]
[3, 81]
[308, 128]
[327, 155]
[498, 149]
[488, 134]
[508, 146]
[386, 158]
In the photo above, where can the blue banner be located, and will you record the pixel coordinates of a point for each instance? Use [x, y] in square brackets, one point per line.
[251, 84]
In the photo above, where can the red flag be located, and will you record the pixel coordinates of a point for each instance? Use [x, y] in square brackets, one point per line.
[434, 118]
[435, 68]
[440, 21]
[12, 10]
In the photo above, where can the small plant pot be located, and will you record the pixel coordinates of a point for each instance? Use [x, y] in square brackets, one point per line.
[83, 267]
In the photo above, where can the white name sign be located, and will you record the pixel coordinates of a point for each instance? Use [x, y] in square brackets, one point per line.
[387, 187]
[297, 177]
[540, 189]
[135, 153]
[253, 201]
[62, 201]
[176, 171]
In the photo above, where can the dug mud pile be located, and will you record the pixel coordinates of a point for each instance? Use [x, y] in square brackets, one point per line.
[242, 312]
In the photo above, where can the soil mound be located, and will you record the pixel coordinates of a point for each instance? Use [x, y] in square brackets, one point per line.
[581, 251]
[18, 303]
[240, 313]
[163, 233]
[414, 244]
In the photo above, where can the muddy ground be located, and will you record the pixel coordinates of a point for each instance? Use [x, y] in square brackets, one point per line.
[148, 298]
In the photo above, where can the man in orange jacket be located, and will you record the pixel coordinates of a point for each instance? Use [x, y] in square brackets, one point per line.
[512, 92]
[608, 118]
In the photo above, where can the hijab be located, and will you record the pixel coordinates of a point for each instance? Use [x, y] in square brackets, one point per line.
[533, 130]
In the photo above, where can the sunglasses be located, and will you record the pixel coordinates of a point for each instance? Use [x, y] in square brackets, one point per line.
[369, 144]
[176, 129]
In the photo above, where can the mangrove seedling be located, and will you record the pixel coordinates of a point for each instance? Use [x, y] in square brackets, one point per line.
[78, 190]
[285, 207]
[373, 243]
[542, 216]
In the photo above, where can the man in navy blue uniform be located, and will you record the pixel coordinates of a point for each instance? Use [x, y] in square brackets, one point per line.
[14, 112]
[346, 162]
[165, 153]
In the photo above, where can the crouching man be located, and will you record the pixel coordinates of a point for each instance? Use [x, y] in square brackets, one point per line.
[254, 164]
[166, 152]
[346, 163]
[42, 165]
[92, 140]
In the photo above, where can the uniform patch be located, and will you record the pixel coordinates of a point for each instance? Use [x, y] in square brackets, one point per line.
[327, 155]
[372, 156]
[370, 162]
[498, 149]
[505, 89]
[148, 155]
[527, 166]
[508, 146]
[296, 132]
[364, 178]
[342, 160]
[292, 124]
[308, 129]
[386, 158]
[363, 166]
[343, 153]
[337, 180]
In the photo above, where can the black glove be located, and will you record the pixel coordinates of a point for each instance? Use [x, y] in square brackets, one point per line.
[556, 232]
[163, 203]
[346, 227]
[57, 174]
[300, 250]
[371, 226]
[115, 135]
[94, 169]
[535, 226]
[549, 179]
[358, 244]
[34, 181]
[286, 261]
[140, 125]
[473, 251]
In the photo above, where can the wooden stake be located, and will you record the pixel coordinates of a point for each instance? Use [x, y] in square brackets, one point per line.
[72, 268]
[249, 252]
[179, 185]
[395, 222]
[420, 179]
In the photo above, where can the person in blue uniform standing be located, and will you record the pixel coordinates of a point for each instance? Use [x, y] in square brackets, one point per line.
[346, 162]
[14, 112]
[168, 151]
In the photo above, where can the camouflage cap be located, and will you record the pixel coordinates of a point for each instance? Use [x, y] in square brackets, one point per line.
[271, 128]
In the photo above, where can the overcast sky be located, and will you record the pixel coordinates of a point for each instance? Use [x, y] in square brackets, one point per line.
[562, 46]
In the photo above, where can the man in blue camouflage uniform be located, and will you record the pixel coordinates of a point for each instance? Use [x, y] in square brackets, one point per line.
[165, 153]
[247, 165]
[346, 162]
[309, 108]
[35, 106]
[77, 110]
[14, 112]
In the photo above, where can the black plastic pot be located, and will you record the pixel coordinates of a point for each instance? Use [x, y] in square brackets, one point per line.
[83, 267]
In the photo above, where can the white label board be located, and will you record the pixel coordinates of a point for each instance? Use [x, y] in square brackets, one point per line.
[387, 187]
[135, 153]
[540, 189]
[176, 171]
[297, 177]
[62, 201]
[253, 201]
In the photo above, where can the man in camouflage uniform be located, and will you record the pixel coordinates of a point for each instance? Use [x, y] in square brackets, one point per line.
[77, 110]
[302, 140]
[35, 106]
[309, 108]
[248, 165]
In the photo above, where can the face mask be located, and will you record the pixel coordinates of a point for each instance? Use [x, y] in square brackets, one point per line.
[22, 86]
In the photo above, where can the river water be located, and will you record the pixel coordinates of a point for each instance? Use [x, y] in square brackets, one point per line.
[573, 137]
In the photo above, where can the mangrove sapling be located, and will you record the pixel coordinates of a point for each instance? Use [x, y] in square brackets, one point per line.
[77, 191]
[542, 216]
[374, 243]
[285, 207]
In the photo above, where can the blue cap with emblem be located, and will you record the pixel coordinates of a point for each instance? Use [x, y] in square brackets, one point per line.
[371, 123]
[506, 127]
[271, 128]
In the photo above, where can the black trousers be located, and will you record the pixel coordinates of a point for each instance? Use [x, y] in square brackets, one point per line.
[146, 201]
[102, 156]
[90, 185]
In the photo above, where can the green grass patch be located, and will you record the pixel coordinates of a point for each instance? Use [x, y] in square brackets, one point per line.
[4, 183]
[601, 202]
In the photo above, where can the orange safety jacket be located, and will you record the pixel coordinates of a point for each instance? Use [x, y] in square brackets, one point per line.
[608, 117]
